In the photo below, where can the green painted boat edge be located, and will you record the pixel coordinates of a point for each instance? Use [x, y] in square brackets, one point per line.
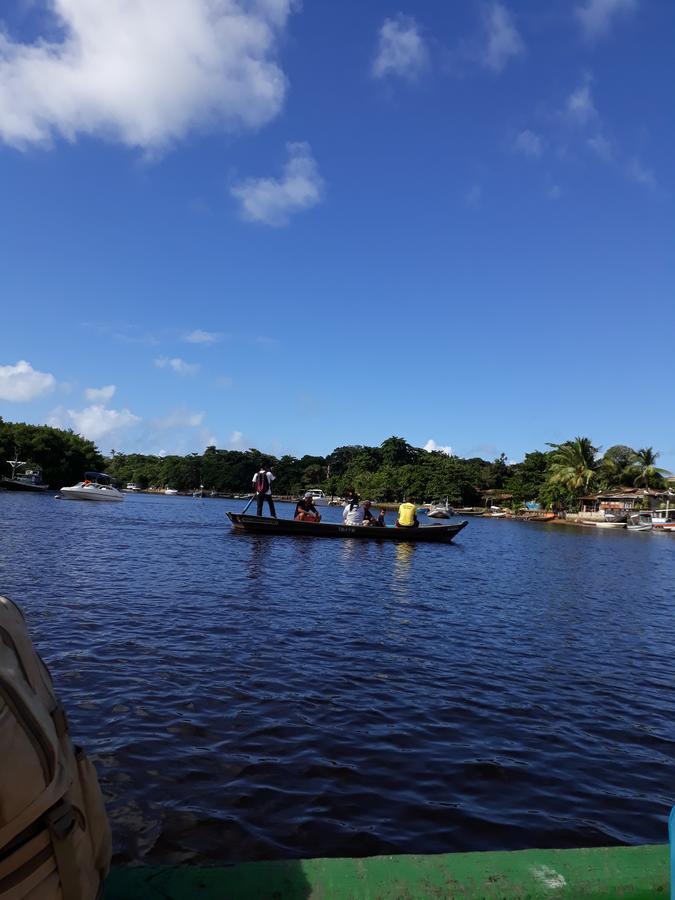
[629, 873]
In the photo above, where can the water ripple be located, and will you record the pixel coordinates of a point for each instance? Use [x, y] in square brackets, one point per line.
[248, 698]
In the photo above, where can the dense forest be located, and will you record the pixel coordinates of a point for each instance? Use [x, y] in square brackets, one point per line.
[556, 477]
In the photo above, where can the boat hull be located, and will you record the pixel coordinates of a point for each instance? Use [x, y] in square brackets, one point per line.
[97, 496]
[438, 514]
[267, 525]
[10, 484]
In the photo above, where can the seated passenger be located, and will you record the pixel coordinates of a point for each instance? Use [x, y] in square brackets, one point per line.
[369, 518]
[353, 511]
[305, 511]
[407, 516]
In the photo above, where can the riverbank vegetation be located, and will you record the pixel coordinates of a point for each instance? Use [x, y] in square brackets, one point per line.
[62, 456]
[556, 477]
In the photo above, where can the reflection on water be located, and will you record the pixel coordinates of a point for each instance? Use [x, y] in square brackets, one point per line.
[403, 561]
[247, 697]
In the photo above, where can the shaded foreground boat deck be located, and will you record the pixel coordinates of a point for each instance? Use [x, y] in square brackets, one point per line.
[631, 873]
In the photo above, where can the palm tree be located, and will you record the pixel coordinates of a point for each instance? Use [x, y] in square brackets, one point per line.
[647, 472]
[573, 464]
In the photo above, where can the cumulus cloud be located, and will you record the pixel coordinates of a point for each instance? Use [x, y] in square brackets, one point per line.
[236, 441]
[144, 73]
[95, 421]
[21, 383]
[179, 366]
[401, 49]
[203, 337]
[597, 16]
[273, 201]
[102, 394]
[432, 447]
[529, 143]
[502, 40]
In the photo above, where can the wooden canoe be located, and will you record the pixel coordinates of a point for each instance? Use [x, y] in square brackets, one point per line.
[268, 525]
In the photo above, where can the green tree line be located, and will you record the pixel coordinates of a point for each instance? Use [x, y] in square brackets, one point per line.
[556, 477]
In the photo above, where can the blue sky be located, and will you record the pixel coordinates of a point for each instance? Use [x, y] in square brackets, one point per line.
[300, 226]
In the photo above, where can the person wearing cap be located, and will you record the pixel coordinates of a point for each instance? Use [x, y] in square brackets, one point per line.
[369, 518]
[305, 511]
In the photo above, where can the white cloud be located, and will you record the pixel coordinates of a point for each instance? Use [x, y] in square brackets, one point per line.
[529, 143]
[502, 39]
[236, 440]
[639, 173]
[579, 106]
[601, 147]
[401, 49]
[596, 16]
[93, 422]
[203, 337]
[179, 366]
[180, 418]
[144, 73]
[103, 394]
[21, 383]
[272, 201]
[431, 446]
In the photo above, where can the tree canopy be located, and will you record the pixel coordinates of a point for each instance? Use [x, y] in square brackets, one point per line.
[392, 471]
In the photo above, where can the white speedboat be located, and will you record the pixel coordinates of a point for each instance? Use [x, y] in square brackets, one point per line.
[94, 486]
[318, 497]
[171, 492]
[496, 512]
[132, 488]
[440, 510]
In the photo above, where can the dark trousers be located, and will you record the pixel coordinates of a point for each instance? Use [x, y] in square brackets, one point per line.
[260, 499]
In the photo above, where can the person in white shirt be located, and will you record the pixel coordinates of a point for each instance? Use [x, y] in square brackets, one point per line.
[262, 488]
[353, 511]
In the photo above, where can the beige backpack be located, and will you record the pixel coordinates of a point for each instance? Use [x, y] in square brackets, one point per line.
[54, 834]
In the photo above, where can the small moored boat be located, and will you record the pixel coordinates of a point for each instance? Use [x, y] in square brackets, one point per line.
[640, 521]
[318, 497]
[440, 510]
[267, 525]
[95, 486]
[29, 481]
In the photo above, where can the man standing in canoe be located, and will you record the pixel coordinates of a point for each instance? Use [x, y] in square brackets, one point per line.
[262, 488]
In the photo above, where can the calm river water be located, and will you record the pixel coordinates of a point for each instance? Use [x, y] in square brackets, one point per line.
[248, 697]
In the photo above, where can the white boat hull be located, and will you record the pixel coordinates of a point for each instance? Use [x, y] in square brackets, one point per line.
[105, 495]
[438, 514]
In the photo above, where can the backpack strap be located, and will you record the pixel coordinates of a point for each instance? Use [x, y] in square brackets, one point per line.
[61, 821]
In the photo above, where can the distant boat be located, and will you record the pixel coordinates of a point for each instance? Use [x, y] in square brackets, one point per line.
[318, 497]
[496, 512]
[640, 521]
[30, 480]
[440, 510]
[132, 488]
[170, 491]
[200, 492]
[94, 486]
[664, 519]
